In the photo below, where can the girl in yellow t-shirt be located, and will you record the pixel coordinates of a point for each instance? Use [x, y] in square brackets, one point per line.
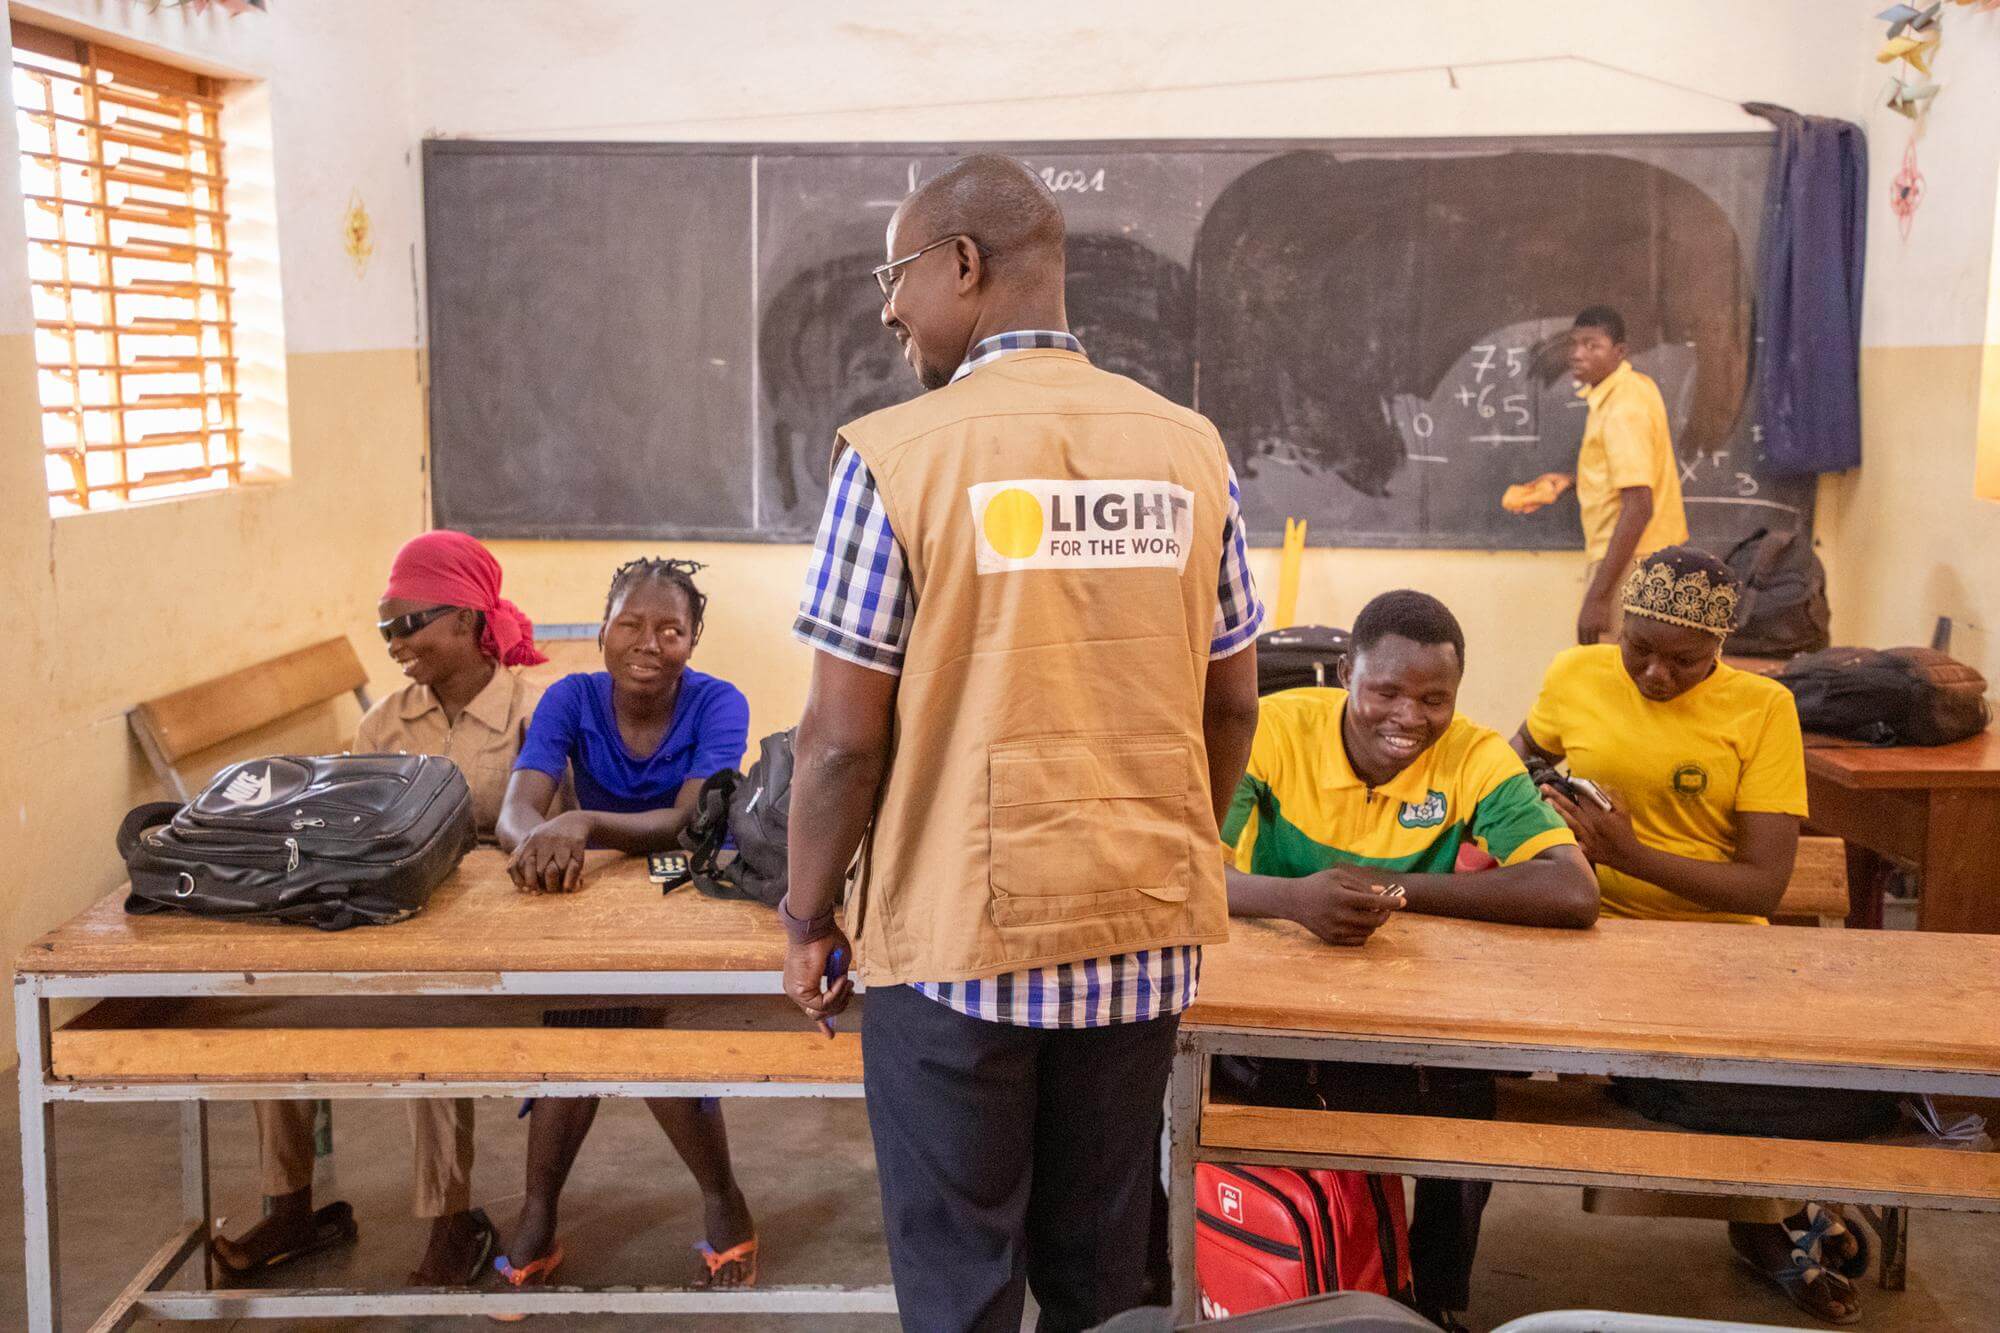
[1705, 769]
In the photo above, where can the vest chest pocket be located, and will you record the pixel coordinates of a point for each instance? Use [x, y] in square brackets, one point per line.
[1087, 826]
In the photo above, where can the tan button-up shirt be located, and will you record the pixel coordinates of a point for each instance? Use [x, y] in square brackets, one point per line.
[483, 743]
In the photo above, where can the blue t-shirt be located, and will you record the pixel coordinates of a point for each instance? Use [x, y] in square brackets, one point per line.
[574, 725]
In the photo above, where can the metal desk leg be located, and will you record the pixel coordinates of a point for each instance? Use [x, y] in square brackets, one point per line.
[38, 1165]
[1184, 1127]
[194, 1180]
[1891, 1226]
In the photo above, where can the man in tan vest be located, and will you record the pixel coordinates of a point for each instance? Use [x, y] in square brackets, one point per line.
[1033, 693]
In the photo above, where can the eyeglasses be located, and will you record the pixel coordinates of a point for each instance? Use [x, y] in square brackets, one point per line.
[885, 275]
[402, 627]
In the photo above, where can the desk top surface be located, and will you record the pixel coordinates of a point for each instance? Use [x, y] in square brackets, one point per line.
[1899, 999]
[477, 921]
[1892, 998]
[1974, 762]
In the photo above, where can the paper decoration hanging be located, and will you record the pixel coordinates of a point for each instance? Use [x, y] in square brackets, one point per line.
[1910, 99]
[1906, 189]
[1913, 37]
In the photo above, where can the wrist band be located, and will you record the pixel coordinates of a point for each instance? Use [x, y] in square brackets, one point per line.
[804, 930]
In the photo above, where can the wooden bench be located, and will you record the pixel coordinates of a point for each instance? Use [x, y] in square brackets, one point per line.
[1573, 1132]
[176, 728]
[377, 1039]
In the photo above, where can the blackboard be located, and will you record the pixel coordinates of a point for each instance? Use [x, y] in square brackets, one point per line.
[660, 340]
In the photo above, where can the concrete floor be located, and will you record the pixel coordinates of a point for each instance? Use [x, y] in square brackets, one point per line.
[808, 1170]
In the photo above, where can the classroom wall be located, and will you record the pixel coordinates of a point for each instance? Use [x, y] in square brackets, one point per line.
[1166, 68]
[102, 610]
[112, 608]
[1911, 541]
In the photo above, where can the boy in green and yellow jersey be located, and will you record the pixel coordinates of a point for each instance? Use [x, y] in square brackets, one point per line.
[1354, 793]
[1357, 803]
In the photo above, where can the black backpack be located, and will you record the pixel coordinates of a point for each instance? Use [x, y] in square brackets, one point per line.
[1783, 610]
[330, 840]
[1303, 655]
[1904, 696]
[754, 809]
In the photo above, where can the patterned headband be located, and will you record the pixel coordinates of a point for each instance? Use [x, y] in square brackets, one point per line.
[1690, 599]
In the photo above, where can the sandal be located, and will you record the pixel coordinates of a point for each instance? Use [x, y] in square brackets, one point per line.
[1804, 1279]
[534, 1273]
[331, 1225]
[745, 1254]
[1855, 1266]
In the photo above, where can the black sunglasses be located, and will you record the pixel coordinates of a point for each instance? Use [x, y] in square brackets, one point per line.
[402, 627]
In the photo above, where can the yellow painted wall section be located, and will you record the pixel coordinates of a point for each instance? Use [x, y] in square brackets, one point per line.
[116, 607]
[1913, 542]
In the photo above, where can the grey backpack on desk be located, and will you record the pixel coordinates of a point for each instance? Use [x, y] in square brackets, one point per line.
[751, 812]
[1783, 609]
[331, 840]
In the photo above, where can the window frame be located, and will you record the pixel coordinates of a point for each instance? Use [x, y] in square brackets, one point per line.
[95, 351]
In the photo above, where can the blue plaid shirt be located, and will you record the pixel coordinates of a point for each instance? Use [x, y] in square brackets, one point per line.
[858, 606]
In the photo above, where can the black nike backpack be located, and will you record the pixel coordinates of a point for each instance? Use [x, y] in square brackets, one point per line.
[327, 840]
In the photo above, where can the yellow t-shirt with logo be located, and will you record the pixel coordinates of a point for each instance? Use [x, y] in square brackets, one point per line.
[1627, 442]
[1301, 807]
[1682, 769]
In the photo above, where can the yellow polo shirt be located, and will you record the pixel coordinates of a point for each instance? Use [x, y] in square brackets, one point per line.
[1302, 808]
[1683, 769]
[1626, 442]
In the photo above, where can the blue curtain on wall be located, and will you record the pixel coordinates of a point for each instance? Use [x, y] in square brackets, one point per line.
[1808, 314]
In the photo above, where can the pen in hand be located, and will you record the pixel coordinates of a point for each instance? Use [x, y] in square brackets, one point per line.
[836, 968]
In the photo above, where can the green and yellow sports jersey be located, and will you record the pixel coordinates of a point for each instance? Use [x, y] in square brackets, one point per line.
[1300, 807]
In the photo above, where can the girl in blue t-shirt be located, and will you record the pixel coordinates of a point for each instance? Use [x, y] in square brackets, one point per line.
[638, 739]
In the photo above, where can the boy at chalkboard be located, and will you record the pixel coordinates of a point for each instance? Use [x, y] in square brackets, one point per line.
[1628, 482]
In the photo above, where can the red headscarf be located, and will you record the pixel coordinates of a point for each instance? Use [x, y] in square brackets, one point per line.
[451, 569]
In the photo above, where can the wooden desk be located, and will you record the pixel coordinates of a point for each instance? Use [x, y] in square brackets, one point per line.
[445, 1005]
[1937, 807]
[1640, 998]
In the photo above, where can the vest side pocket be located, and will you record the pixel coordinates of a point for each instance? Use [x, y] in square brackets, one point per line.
[1088, 826]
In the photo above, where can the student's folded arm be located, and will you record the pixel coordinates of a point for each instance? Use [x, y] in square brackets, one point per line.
[647, 830]
[1553, 888]
[1254, 896]
[524, 808]
[1749, 885]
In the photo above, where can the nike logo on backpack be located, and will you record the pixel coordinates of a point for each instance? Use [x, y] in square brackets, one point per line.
[246, 790]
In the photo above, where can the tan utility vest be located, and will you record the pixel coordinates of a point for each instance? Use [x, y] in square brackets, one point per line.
[1048, 796]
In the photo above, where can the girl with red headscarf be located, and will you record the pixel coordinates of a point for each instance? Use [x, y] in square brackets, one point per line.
[461, 645]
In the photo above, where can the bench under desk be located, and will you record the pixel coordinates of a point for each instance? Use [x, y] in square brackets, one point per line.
[1893, 1011]
[447, 1004]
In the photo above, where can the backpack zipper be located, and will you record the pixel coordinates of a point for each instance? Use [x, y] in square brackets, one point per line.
[1256, 1242]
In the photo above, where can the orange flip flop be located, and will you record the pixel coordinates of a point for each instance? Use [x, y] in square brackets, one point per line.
[534, 1273]
[745, 1254]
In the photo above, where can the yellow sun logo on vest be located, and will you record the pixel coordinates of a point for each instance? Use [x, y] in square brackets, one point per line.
[1013, 523]
[1050, 523]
